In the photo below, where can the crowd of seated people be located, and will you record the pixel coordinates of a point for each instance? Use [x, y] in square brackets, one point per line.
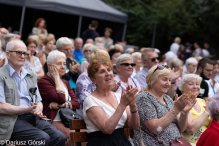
[161, 100]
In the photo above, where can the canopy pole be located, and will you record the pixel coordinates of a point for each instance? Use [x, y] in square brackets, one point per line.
[154, 35]
[22, 19]
[124, 32]
[79, 26]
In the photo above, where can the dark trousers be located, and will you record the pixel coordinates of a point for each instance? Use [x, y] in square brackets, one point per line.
[43, 134]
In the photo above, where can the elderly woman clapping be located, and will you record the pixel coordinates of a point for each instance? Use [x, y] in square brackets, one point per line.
[106, 112]
[198, 117]
[210, 136]
[157, 111]
[56, 93]
[125, 66]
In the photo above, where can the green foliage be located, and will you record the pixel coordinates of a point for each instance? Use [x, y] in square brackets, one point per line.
[192, 20]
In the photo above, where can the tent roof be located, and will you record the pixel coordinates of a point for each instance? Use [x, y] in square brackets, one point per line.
[88, 8]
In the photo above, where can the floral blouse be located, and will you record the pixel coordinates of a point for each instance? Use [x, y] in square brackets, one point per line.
[36, 66]
[149, 108]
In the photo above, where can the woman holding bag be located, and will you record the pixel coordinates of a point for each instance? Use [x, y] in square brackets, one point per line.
[56, 93]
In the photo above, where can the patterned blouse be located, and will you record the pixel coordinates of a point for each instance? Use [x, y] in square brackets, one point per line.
[149, 108]
[36, 66]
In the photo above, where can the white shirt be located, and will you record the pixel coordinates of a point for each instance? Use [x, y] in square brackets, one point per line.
[92, 101]
[123, 85]
[212, 90]
[174, 48]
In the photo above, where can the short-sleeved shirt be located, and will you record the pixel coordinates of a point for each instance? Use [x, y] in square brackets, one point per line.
[92, 101]
[149, 108]
[78, 54]
[36, 66]
[203, 90]
[141, 77]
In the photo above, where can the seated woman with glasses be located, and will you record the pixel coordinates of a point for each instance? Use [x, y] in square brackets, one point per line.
[125, 65]
[33, 63]
[159, 114]
[87, 48]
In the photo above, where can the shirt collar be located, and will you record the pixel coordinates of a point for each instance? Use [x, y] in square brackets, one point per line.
[145, 69]
[12, 71]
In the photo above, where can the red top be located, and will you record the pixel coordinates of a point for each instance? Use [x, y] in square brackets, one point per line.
[49, 94]
[210, 136]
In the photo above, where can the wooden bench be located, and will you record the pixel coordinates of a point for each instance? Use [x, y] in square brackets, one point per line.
[80, 134]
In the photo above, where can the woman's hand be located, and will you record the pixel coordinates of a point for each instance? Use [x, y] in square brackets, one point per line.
[128, 97]
[73, 67]
[53, 73]
[191, 102]
[133, 103]
[54, 105]
[181, 102]
[2, 62]
[39, 54]
[206, 107]
[115, 86]
[177, 74]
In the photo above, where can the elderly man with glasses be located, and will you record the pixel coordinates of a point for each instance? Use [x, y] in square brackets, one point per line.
[21, 119]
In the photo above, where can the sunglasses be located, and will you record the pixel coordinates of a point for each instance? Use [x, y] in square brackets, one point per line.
[87, 51]
[127, 64]
[160, 67]
[154, 59]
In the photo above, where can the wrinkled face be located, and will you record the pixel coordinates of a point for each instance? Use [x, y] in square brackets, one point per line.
[42, 23]
[78, 44]
[32, 48]
[138, 61]
[107, 33]
[87, 51]
[149, 62]
[67, 49]
[162, 84]
[115, 55]
[192, 86]
[125, 70]
[14, 59]
[60, 64]
[3, 32]
[191, 67]
[207, 71]
[215, 70]
[103, 77]
[50, 45]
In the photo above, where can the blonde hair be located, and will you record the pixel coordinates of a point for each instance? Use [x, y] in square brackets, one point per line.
[86, 46]
[98, 54]
[152, 76]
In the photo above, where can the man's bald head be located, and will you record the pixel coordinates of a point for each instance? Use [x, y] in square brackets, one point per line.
[3, 32]
[78, 44]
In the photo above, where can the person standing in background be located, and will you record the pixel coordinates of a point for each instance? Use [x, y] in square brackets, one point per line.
[91, 32]
[40, 27]
[175, 46]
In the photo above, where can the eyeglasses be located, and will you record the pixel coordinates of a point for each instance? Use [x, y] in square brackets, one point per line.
[154, 59]
[87, 51]
[127, 64]
[160, 67]
[19, 53]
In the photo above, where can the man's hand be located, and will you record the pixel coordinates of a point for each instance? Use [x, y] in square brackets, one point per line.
[36, 110]
[73, 67]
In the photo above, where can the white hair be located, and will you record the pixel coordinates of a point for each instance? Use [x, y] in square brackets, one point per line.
[175, 63]
[100, 44]
[53, 55]
[135, 55]
[170, 56]
[10, 45]
[6, 38]
[63, 41]
[129, 50]
[123, 57]
[186, 78]
[191, 60]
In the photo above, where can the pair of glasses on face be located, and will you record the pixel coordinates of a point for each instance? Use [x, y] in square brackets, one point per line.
[160, 67]
[19, 53]
[127, 64]
[154, 59]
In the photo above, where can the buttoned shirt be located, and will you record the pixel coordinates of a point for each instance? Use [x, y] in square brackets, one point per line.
[21, 83]
[141, 77]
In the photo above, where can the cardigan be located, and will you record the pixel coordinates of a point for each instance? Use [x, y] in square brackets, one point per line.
[49, 94]
[210, 136]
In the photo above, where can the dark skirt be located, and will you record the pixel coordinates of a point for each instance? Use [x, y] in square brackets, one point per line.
[117, 138]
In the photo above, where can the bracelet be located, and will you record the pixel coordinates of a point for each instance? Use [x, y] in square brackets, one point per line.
[174, 112]
[184, 113]
[207, 113]
[173, 82]
[133, 111]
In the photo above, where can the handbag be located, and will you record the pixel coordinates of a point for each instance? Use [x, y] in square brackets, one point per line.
[178, 142]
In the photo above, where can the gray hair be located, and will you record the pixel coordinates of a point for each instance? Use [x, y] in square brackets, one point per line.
[100, 44]
[63, 41]
[129, 50]
[175, 63]
[191, 60]
[170, 56]
[186, 78]
[213, 104]
[123, 57]
[6, 38]
[53, 55]
[144, 53]
[10, 45]
[135, 55]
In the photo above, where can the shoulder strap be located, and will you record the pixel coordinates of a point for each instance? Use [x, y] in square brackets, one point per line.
[160, 142]
[133, 81]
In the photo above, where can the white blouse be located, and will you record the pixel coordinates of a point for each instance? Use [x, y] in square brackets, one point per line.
[92, 101]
